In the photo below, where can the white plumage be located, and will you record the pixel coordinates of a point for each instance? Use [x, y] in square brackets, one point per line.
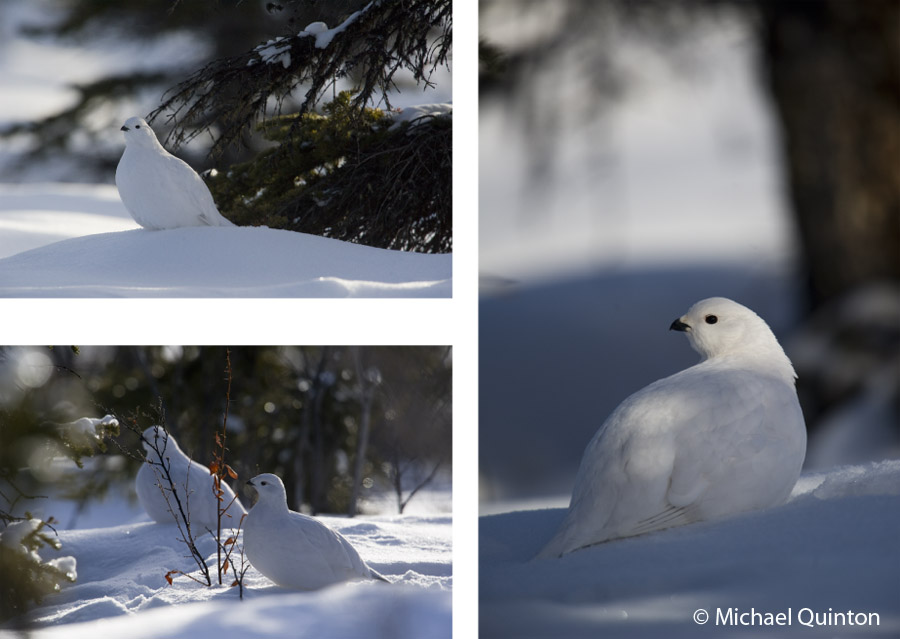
[159, 190]
[722, 437]
[199, 500]
[293, 550]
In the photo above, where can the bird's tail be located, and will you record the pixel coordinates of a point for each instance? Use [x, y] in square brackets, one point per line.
[378, 577]
[215, 220]
[561, 543]
[554, 549]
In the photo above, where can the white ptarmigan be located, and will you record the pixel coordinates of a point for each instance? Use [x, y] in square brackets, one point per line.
[159, 190]
[199, 500]
[721, 437]
[293, 550]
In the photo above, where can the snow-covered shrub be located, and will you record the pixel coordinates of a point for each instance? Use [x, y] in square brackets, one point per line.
[37, 446]
[26, 576]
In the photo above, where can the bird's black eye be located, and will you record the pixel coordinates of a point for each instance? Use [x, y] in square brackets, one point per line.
[711, 319]
[263, 483]
[138, 126]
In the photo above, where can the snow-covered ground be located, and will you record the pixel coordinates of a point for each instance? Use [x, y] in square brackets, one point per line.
[121, 590]
[62, 240]
[100, 260]
[834, 547]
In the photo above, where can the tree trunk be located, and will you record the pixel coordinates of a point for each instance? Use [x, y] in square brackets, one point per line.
[362, 445]
[834, 71]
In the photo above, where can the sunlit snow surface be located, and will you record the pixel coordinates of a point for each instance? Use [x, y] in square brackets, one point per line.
[84, 244]
[833, 545]
[122, 592]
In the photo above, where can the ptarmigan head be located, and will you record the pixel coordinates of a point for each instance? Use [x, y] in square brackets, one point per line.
[138, 133]
[156, 437]
[270, 489]
[718, 327]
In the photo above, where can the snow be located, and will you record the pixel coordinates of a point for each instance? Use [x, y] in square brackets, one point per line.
[13, 536]
[67, 565]
[313, 28]
[832, 547]
[14, 533]
[83, 243]
[85, 428]
[279, 49]
[324, 35]
[419, 113]
[404, 614]
[121, 588]
[274, 51]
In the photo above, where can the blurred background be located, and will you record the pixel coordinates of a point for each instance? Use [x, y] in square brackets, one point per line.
[636, 157]
[74, 70]
[349, 428]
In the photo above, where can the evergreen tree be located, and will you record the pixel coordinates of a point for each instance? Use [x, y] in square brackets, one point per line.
[344, 173]
[290, 152]
[40, 398]
[295, 411]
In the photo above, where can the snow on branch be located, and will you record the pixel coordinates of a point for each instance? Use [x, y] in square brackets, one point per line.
[371, 46]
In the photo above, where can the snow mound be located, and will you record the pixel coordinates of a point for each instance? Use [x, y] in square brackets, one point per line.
[220, 262]
[122, 592]
[407, 614]
[834, 545]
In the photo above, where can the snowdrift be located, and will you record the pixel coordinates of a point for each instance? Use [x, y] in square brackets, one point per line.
[835, 546]
[220, 262]
[79, 241]
[121, 586]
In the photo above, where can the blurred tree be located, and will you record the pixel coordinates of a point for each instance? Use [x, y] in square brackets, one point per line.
[295, 411]
[403, 435]
[834, 75]
[83, 129]
[834, 72]
[42, 404]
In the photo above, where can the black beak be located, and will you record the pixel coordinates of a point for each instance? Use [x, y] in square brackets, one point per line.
[678, 325]
[124, 128]
[250, 483]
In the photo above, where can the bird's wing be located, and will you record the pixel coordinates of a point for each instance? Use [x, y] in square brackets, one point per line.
[184, 181]
[148, 492]
[657, 457]
[332, 551]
